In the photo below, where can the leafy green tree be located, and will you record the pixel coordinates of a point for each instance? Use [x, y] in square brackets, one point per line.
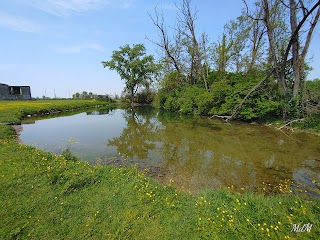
[84, 94]
[222, 53]
[133, 66]
[76, 95]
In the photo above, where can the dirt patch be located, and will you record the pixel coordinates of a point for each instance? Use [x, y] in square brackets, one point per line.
[17, 129]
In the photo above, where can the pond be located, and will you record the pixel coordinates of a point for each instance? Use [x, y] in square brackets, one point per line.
[191, 153]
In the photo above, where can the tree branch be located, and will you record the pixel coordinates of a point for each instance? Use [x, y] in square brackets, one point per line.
[249, 15]
[308, 40]
[294, 35]
[289, 123]
[164, 38]
[235, 111]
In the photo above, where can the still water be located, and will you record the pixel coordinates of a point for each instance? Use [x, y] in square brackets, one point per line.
[191, 153]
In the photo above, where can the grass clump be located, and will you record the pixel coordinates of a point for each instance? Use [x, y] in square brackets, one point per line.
[6, 132]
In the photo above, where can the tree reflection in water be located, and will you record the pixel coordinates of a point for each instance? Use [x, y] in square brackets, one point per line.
[138, 137]
[200, 153]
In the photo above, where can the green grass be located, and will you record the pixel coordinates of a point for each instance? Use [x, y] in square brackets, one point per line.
[45, 196]
[310, 123]
[14, 111]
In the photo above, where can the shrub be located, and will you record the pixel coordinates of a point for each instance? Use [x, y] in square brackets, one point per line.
[224, 95]
[146, 96]
[66, 153]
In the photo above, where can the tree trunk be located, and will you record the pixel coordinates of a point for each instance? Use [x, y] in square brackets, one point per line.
[164, 41]
[299, 59]
[295, 48]
[132, 96]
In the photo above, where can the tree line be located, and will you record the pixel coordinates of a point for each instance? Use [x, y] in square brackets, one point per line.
[90, 95]
[256, 69]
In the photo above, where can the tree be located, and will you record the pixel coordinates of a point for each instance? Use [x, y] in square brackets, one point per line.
[222, 53]
[289, 37]
[296, 42]
[187, 24]
[172, 53]
[76, 95]
[247, 40]
[184, 53]
[84, 94]
[134, 67]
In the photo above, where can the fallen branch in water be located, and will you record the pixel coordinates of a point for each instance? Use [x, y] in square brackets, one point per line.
[289, 123]
[225, 118]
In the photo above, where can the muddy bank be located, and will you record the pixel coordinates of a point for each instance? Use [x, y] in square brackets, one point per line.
[150, 171]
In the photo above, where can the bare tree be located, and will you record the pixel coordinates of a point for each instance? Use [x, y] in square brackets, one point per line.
[296, 43]
[187, 27]
[184, 50]
[205, 69]
[164, 43]
[287, 51]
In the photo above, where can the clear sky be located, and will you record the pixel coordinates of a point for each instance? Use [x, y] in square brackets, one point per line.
[56, 46]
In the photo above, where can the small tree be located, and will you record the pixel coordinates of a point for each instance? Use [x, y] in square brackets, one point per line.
[133, 66]
[84, 95]
[76, 95]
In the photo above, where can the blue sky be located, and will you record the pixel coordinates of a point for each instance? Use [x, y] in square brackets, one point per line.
[56, 46]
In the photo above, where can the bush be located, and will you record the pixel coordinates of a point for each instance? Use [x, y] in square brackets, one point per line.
[311, 99]
[173, 81]
[66, 153]
[224, 95]
[146, 96]
[312, 122]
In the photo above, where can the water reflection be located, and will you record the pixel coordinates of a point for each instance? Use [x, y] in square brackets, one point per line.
[102, 111]
[194, 152]
[138, 136]
[201, 153]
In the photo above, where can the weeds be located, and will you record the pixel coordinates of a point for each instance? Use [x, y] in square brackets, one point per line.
[66, 154]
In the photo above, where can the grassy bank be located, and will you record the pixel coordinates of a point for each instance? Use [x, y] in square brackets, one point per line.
[14, 111]
[44, 196]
